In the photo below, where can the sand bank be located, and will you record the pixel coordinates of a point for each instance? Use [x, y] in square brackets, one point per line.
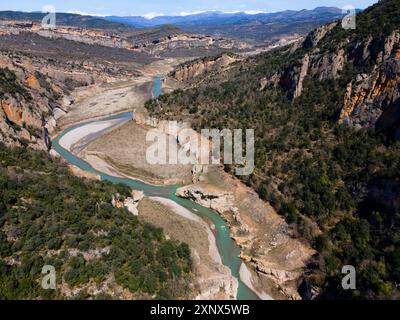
[246, 276]
[213, 250]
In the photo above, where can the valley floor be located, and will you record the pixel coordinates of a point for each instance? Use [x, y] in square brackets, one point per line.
[274, 259]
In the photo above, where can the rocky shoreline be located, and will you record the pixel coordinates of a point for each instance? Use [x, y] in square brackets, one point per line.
[211, 283]
[266, 268]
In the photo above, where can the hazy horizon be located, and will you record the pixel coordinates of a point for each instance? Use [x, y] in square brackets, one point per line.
[175, 7]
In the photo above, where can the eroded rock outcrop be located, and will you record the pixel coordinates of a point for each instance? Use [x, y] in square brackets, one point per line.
[292, 79]
[23, 102]
[218, 201]
[275, 259]
[194, 69]
[217, 285]
[313, 64]
[329, 66]
[372, 100]
[130, 203]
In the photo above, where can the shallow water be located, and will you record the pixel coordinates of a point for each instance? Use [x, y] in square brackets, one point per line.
[157, 86]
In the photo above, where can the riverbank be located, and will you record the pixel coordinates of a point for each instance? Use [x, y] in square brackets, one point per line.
[181, 224]
[213, 251]
[125, 149]
[177, 222]
[107, 170]
[211, 274]
[222, 237]
[75, 140]
[97, 101]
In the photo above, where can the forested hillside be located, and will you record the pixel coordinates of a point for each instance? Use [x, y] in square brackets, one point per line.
[326, 119]
[50, 217]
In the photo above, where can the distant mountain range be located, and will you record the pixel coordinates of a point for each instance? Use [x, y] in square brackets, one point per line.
[67, 19]
[258, 28]
[254, 27]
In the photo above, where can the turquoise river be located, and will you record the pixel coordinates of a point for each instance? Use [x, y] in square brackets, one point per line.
[227, 248]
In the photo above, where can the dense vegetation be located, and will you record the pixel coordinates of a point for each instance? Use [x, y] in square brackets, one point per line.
[337, 186]
[10, 85]
[50, 217]
[380, 19]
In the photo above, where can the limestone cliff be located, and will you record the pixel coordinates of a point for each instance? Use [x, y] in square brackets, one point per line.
[371, 97]
[36, 86]
[275, 258]
[32, 93]
[26, 98]
[196, 68]
[372, 100]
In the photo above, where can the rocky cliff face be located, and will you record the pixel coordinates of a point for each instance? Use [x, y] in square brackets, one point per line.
[27, 97]
[313, 63]
[218, 201]
[33, 93]
[217, 286]
[371, 97]
[316, 35]
[292, 79]
[194, 69]
[275, 258]
[38, 75]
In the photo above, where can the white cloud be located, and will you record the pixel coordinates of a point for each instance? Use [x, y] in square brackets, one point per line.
[255, 11]
[87, 14]
[152, 15]
[184, 14]
[249, 12]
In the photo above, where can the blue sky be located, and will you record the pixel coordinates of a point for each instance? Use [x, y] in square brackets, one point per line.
[173, 7]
